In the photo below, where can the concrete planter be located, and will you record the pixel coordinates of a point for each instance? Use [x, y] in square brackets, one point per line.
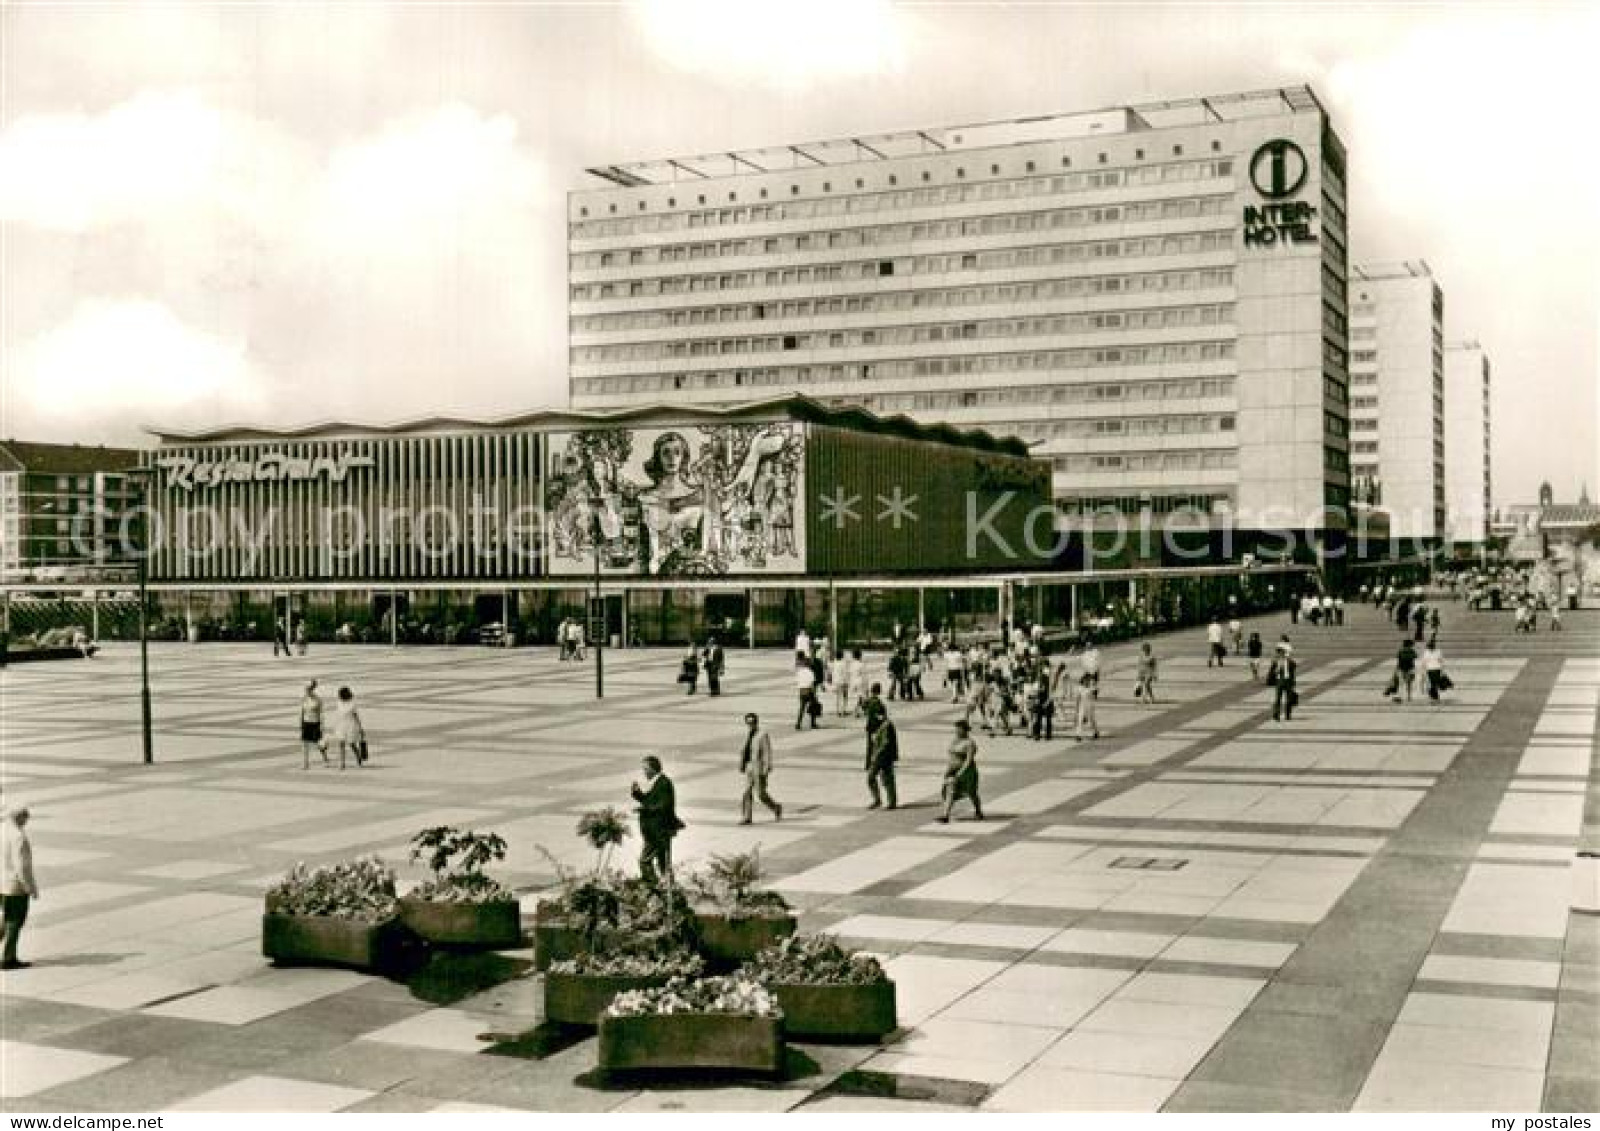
[730, 1041]
[835, 1012]
[327, 940]
[554, 939]
[727, 942]
[494, 926]
[580, 999]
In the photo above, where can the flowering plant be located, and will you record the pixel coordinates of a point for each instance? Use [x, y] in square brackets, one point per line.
[456, 858]
[638, 962]
[732, 994]
[730, 883]
[814, 960]
[356, 889]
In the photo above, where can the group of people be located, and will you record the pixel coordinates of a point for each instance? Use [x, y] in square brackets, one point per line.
[281, 638]
[1325, 610]
[570, 637]
[709, 658]
[346, 729]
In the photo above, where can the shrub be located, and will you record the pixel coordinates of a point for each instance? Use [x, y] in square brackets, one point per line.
[733, 994]
[814, 960]
[457, 857]
[363, 889]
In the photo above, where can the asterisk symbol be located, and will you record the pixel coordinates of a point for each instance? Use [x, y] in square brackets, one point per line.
[897, 507]
[839, 507]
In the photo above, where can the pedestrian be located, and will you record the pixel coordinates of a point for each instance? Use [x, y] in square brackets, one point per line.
[658, 822]
[311, 726]
[1555, 616]
[897, 675]
[857, 679]
[802, 643]
[576, 638]
[755, 763]
[17, 885]
[1419, 620]
[348, 731]
[561, 640]
[961, 773]
[1085, 714]
[280, 638]
[1236, 635]
[1405, 669]
[1145, 688]
[715, 662]
[1433, 669]
[1041, 707]
[1338, 611]
[914, 664]
[805, 685]
[1281, 676]
[883, 752]
[839, 679]
[1215, 651]
[955, 671]
[689, 669]
[300, 644]
[1252, 649]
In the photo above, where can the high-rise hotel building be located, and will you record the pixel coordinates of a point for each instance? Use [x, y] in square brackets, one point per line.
[1467, 480]
[1397, 439]
[1154, 295]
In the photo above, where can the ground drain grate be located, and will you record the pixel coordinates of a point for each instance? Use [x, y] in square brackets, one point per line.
[1149, 863]
[890, 1085]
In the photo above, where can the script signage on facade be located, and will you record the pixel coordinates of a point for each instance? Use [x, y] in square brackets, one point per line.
[184, 473]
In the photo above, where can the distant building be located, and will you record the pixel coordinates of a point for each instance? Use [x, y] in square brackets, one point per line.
[1467, 432]
[1397, 396]
[62, 508]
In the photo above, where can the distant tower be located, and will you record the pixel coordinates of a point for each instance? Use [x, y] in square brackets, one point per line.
[1583, 495]
[1546, 496]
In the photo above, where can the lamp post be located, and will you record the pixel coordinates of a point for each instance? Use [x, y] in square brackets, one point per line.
[598, 609]
[141, 476]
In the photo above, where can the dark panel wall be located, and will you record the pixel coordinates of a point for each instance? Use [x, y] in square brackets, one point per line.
[970, 507]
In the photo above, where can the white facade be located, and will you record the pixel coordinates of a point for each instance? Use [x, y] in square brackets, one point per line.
[1468, 495]
[1397, 442]
[1155, 295]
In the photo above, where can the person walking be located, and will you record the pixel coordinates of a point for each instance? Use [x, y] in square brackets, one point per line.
[1282, 677]
[347, 729]
[1419, 620]
[280, 638]
[839, 677]
[17, 885]
[714, 664]
[1252, 650]
[311, 727]
[883, 753]
[1083, 693]
[857, 680]
[961, 773]
[1236, 635]
[689, 668]
[658, 822]
[805, 685]
[802, 643]
[755, 763]
[1145, 688]
[300, 644]
[914, 665]
[955, 672]
[1405, 668]
[1433, 669]
[1216, 651]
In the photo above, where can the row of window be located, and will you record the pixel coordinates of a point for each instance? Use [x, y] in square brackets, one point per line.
[1133, 504]
[893, 234]
[1190, 243]
[1147, 461]
[1099, 428]
[1055, 394]
[893, 301]
[933, 195]
[803, 376]
[1059, 324]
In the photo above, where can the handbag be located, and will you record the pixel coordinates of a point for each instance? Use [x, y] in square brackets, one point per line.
[361, 753]
[1445, 682]
[814, 707]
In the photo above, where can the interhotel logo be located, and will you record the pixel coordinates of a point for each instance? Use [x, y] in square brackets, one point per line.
[1278, 171]
[187, 474]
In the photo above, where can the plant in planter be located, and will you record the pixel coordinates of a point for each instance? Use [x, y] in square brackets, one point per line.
[730, 1023]
[826, 991]
[577, 990]
[460, 904]
[339, 915]
[574, 920]
[734, 918]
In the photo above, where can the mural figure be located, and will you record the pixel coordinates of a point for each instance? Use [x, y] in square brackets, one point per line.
[705, 501]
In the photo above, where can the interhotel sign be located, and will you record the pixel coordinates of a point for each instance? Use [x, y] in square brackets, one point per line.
[187, 474]
[1278, 170]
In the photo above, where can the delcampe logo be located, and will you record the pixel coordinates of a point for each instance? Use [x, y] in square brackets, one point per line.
[1278, 169]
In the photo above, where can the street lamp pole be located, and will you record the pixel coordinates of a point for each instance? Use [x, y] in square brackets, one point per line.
[142, 560]
[598, 610]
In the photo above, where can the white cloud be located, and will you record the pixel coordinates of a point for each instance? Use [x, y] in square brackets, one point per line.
[120, 358]
[786, 46]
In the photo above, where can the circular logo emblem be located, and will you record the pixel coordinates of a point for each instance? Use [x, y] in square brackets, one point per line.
[1278, 169]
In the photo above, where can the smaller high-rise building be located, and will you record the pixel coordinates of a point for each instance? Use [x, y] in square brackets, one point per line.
[1467, 468]
[1397, 440]
[61, 508]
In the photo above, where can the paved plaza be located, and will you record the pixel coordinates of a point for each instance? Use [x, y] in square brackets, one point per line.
[1365, 909]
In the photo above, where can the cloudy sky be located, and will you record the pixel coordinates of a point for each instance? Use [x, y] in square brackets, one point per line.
[287, 213]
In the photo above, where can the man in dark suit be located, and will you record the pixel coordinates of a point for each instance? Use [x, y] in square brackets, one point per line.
[713, 665]
[883, 751]
[658, 822]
